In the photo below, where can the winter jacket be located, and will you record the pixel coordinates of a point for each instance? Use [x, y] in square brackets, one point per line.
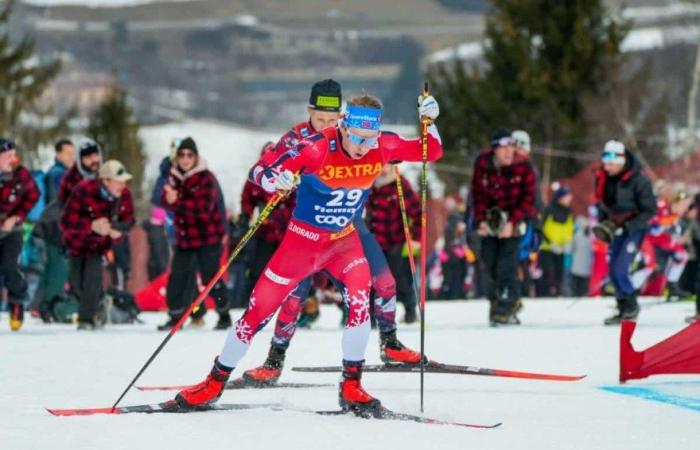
[626, 199]
[90, 201]
[511, 188]
[198, 216]
[558, 229]
[18, 194]
[53, 179]
[273, 229]
[384, 214]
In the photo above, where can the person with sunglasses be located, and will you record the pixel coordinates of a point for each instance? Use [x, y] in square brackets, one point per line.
[503, 186]
[18, 194]
[626, 203]
[324, 112]
[97, 214]
[335, 170]
[193, 194]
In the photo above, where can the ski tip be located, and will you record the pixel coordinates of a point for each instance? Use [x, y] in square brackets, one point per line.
[82, 412]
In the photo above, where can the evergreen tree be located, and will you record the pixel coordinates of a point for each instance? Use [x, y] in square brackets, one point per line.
[113, 126]
[23, 81]
[542, 58]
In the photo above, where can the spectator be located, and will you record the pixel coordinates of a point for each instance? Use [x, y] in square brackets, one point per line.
[18, 194]
[86, 167]
[454, 259]
[694, 232]
[193, 194]
[158, 247]
[383, 215]
[64, 160]
[626, 204]
[581, 257]
[55, 275]
[97, 214]
[503, 195]
[557, 237]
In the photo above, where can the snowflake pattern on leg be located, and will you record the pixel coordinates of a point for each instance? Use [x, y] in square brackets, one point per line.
[243, 331]
[358, 307]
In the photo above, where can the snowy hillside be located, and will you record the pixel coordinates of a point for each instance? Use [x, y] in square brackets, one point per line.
[54, 366]
[97, 3]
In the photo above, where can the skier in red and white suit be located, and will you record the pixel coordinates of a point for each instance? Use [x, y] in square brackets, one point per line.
[337, 168]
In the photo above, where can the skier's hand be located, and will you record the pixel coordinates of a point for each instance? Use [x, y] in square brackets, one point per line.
[483, 229]
[9, 223]
[428, 107]
[101, 226]
[274, 180]
[170, 194]
[507, 231]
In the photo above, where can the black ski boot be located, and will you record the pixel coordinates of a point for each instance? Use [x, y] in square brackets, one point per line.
[224, 322]
[172, 320]
[270, 371]
[504, 313]
[392, 351]
[675, 293]
[628, 309]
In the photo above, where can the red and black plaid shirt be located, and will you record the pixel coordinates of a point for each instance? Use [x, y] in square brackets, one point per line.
[198, 221]
[18, 194]
[86, 204]
[384, 214]
[511, 188]
[71, 179]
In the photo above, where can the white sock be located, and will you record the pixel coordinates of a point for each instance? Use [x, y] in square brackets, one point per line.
[355, 342]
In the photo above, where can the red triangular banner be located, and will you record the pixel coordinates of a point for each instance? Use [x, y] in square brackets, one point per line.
[678, 354]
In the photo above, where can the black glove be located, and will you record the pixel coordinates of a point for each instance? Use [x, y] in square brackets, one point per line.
[606, 231]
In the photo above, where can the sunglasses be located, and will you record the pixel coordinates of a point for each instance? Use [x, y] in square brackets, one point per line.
[185, 155]
[504, 142]
[362, 140]
[610, 156]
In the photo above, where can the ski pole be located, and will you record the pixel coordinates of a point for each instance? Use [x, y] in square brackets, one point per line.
[406, 231]
[264, 214]
[425, 121]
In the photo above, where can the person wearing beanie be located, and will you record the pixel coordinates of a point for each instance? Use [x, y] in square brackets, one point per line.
[299, 302]
[503, 200]
[97, 214]
[18, 194]
[334, 170]
[626, 204]
[88, 159]
[192, 193]
[557, 239]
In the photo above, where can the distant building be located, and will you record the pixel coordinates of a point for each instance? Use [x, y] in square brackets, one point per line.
[81, 90]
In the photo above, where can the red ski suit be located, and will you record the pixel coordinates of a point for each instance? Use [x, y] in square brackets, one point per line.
[320, 236]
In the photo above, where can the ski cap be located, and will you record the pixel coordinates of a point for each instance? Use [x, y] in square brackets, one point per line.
[501, 137]
[613, 152]
[362, 117]
[6, 145]
[326, 96]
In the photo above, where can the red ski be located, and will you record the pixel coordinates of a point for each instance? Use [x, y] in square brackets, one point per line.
[241, 383]
[436, 367]
[170, 406]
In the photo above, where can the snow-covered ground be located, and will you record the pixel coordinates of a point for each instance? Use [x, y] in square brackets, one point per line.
[54, 366]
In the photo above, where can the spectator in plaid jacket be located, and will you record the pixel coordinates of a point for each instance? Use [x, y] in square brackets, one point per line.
[385, 222]
[192, 193]
[18, 194]
[503, 195]
[86, 167]
[98, 212]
